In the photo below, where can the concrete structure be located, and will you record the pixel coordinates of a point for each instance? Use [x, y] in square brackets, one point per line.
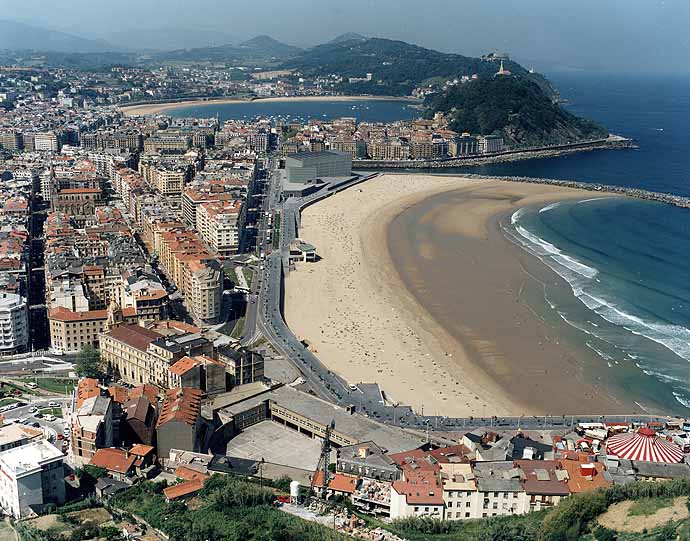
[33, 477]
[306, 167]
[14, 323]
[243, 365]
[490, 144]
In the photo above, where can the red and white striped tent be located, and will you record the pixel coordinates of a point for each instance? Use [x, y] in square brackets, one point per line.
[644, 445]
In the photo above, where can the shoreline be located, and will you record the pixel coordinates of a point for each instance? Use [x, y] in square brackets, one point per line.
[365, 323]
[143, 109]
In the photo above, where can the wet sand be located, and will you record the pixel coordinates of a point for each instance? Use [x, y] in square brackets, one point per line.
[419, 291]
[159, 108]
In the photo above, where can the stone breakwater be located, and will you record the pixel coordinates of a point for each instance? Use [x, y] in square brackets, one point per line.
[670, 199]
[611, 143]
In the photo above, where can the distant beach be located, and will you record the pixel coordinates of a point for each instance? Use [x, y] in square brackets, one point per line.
[441, 327]
[158, 108]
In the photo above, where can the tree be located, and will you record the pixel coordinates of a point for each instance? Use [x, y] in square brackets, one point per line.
[88, 363]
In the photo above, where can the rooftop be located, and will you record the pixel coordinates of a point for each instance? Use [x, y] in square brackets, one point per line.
[112, 459]
[26, 459]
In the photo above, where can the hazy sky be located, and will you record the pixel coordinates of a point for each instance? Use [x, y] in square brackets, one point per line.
[621, 35]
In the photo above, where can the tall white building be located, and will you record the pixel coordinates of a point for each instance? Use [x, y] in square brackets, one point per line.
[46, 141]
[32, 477]
[14, 323]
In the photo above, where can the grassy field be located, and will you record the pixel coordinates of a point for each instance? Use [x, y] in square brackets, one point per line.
[248, 275]
[52, 411]
[7, 401]
[10, 388]
[239, 328]
[63, 386]
[648, 506]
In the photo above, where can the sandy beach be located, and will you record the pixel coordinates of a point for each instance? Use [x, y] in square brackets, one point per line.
[158, 108]
[371, 322]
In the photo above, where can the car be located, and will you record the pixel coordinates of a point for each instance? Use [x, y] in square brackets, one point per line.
[33, 409]
[60, 437]
[53, 405]
[32, 385]
[38, 415]
[36, 425]
[50, 418]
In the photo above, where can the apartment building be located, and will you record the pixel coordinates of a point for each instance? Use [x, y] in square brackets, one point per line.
[91, 421]
[46, 141]
[14, 323]
[203, 290]
[71, 331]
[33, 477]
[218, 224]
[179, 423]
[243, 365]
[125, 353]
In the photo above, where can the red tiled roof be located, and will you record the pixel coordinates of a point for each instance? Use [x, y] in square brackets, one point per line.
[183, 489]
[64, 314]
[184, 365]
[180, 404]
[87, 388]
[113, 459]
[147, 390]
[141, 450]
[188, 474]
[135, 336]
[343, 483]
[422, 488]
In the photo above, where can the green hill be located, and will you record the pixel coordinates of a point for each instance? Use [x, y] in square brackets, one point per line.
[515, 107]
[396, 67]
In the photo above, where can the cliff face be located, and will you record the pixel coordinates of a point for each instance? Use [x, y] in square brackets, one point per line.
[515, 107]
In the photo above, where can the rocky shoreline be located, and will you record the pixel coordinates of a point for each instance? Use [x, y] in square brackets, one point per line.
[670, 199]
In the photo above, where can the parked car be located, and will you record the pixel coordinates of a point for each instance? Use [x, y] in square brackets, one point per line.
[53, 405]
[32, 385]
[50, 418]
[33, 409]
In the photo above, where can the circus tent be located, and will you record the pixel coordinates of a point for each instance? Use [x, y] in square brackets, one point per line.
[644, 444]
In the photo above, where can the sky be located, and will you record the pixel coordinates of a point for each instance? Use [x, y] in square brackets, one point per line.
[616, 35]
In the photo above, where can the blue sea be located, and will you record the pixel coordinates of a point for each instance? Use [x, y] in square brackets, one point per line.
[296, 110]
[626, 261]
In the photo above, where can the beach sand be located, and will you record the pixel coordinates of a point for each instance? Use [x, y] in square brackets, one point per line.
[479, 349]
[159, 108]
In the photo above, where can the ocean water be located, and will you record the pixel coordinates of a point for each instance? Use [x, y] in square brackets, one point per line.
[626, 261]
[627, 267]
[362, 110]
[654, 111]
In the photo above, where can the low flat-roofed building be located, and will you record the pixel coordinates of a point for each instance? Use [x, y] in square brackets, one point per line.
[305, 167]
[311, 415]
[16, 435]
[33, 477]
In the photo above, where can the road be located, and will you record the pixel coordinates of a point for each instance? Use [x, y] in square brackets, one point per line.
[51, 428]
